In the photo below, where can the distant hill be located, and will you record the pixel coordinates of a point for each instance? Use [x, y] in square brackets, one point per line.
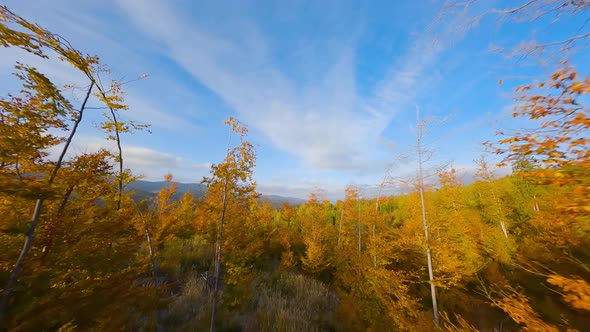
[278, 200]
[148, 189]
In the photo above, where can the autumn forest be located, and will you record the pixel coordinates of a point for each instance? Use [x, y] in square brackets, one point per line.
[79, 251]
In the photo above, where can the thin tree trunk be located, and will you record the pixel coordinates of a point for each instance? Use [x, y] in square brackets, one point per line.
[148, 235]
[425, 223]
[120, 156]
[218, 252]
[153, 264]
[30, 234]
[117, 137]
[504, 229]
[501, 214]
[218, 255]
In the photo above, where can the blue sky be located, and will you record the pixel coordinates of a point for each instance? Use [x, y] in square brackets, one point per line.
[328, 89]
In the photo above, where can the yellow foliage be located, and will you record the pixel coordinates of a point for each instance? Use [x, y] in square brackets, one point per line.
[577, 292]
[518, 308]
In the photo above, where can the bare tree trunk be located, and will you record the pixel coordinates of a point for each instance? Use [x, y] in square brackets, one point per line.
[425, 223]
[535, 202]
[30, 235]
[501, 214]
[218, 251]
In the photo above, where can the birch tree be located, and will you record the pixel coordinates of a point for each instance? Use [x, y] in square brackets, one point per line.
[420, 150]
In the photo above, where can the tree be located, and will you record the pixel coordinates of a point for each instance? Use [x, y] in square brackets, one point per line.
[314, 232]
[421, 188]
[455, 232]
[284, 235]
[166, 220]
[38, 41]
[494, 205]
[84, 253]
[230, 193]
[496, 211]
[556, 137]
[42, 101]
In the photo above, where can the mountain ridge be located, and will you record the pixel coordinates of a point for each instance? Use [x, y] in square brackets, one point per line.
[146, 189]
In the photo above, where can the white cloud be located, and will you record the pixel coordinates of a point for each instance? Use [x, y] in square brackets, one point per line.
[150, 163]
[325, 122]
[322, 120]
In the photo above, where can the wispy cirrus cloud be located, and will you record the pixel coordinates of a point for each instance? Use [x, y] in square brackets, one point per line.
[301, 87]
[325, 121]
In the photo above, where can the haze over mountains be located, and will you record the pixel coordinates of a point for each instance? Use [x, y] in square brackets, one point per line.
[147, 189]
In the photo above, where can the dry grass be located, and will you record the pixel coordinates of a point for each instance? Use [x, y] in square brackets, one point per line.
[189, 310]
[295, 303]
